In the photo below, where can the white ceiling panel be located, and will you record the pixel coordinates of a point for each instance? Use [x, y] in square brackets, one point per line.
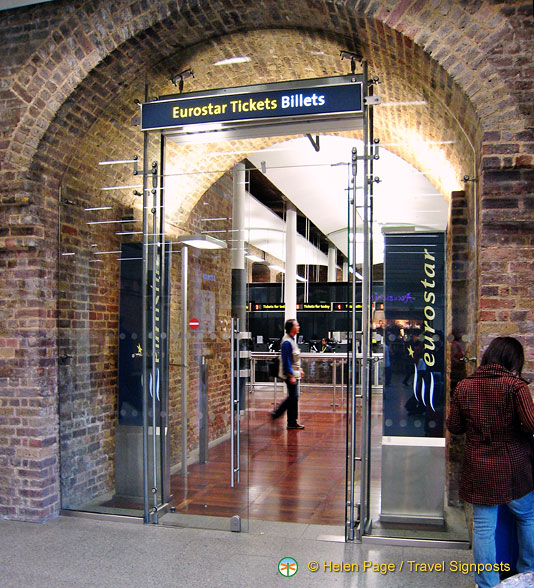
[318, 182]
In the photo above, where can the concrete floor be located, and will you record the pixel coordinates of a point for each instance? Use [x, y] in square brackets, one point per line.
[78, 552]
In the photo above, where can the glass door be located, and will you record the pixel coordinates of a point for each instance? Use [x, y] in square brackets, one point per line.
[403, 446]
[359, 392]
[203, 339]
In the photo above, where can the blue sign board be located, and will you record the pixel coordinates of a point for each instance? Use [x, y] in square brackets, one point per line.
[271, 102]
[414, 334]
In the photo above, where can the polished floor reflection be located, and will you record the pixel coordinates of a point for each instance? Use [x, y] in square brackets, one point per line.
[293, 475]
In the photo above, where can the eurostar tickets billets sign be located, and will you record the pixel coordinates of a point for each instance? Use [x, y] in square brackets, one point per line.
[341, 95]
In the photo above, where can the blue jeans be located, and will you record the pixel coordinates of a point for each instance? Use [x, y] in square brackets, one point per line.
[485, 524]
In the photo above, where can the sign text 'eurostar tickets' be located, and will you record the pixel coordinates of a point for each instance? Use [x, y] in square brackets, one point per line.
[240, 104]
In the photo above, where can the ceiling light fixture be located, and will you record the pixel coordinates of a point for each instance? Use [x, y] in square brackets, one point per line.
[357, 274]
[178, 79]
[233, 60]
[202, 242]
[253, 257]
[277, 268]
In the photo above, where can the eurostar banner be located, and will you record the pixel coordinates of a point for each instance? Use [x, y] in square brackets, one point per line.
[335, 96]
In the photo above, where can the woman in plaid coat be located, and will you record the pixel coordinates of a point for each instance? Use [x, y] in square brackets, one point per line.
[494, 408]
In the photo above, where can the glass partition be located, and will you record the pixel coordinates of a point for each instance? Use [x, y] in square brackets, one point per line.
[158, 417]
[206, 417]
[412, 316]
[100, 333]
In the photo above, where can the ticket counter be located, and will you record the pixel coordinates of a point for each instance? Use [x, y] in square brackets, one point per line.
[326, 371]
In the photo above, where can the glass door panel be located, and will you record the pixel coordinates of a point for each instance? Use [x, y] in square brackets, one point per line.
[408, 453]
[205, 447]
[100, 331]
[299, 476]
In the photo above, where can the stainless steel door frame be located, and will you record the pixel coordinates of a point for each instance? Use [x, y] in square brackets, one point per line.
[153, 327]
[358, 521]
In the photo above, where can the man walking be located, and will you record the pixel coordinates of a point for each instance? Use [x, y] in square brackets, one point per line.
[291, 372]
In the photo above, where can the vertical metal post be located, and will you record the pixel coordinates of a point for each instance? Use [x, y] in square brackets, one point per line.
[185, 250]
[154, 327]
[232, 396]
[237, 404]
[165, 481]
[366, 295]
[144, 337]
[353, 358]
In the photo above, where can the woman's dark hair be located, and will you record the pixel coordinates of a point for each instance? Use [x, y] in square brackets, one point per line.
[505, 351]
[289, 325]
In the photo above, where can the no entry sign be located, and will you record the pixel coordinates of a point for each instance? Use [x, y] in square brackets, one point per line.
[194, 323]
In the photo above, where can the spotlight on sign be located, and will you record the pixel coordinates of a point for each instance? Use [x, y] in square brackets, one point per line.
[354, 57]
[178, 79]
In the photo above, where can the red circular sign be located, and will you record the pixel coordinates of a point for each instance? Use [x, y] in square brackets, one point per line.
[194, 323]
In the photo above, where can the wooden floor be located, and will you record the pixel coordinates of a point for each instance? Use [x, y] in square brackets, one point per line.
[291, 475]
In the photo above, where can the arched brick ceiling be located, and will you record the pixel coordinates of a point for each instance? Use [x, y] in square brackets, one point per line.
[98, 48]
[413, 122]
[277, 55]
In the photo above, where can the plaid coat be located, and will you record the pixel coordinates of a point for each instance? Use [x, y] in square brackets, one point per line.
[495, 410]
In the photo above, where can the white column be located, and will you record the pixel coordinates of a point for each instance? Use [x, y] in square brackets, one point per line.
[239, 277]
[332, 259]
[291, 263]
[238, 218]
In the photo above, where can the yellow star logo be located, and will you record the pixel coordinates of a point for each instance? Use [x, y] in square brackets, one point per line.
[139, 348]
[410, 351]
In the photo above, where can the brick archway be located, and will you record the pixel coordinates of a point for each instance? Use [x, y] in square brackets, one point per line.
[94, 50]
[81, 62]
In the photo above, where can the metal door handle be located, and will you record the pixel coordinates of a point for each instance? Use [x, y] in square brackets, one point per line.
[235, 425]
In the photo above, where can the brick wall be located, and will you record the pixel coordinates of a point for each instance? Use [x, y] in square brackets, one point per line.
[506, 241]
[88, 347]
[88, 327]
[209, 300]
[460, 318]
[69, 76]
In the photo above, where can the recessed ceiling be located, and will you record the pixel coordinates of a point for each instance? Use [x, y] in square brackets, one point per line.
[318, 184]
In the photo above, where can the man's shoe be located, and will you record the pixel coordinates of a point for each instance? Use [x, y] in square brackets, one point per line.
[296, 426]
